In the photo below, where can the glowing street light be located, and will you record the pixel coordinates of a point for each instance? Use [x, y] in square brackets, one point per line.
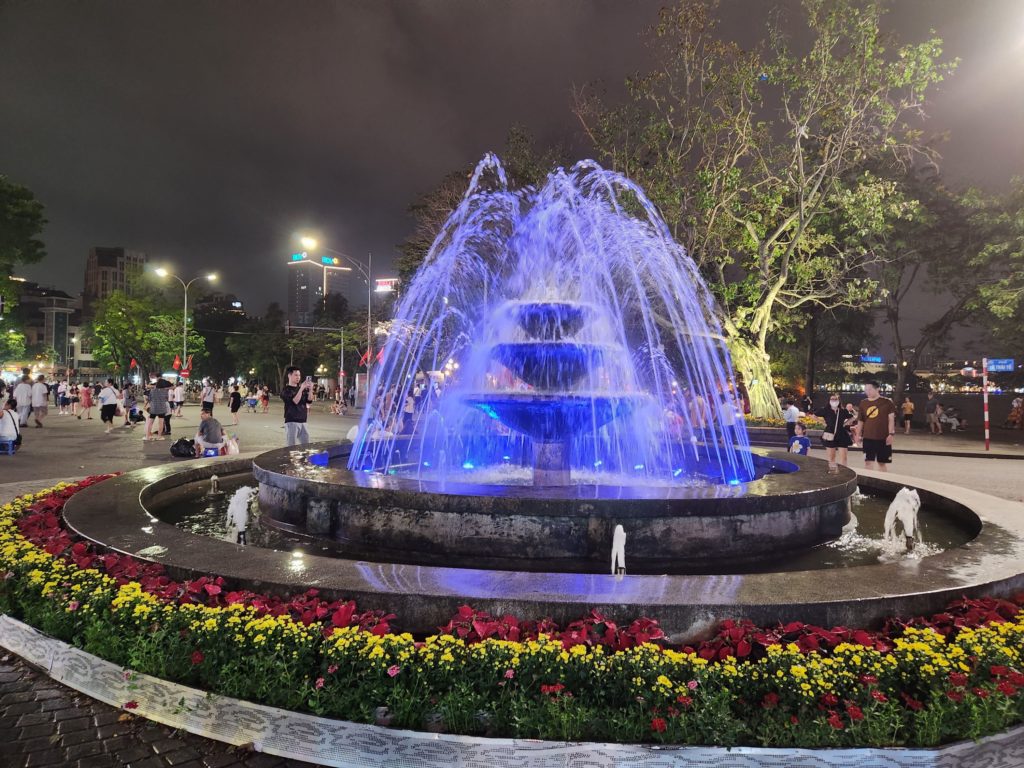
[211, 277]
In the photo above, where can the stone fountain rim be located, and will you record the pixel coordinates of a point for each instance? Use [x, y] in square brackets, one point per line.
[812, 485]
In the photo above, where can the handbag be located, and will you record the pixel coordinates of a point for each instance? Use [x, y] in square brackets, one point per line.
[828, 437]
[17, 429]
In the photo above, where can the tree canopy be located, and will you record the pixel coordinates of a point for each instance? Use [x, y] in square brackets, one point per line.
[759, 159]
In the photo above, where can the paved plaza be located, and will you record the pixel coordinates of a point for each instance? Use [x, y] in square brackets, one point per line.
[42, 723]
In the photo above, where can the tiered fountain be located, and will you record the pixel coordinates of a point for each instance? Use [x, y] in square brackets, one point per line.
[588, 386]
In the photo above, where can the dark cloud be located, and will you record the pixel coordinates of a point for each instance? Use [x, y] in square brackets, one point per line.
[209, 133]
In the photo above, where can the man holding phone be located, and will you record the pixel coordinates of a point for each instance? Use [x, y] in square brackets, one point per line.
[296, 399]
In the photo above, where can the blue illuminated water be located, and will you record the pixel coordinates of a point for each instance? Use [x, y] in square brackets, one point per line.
[568, 333]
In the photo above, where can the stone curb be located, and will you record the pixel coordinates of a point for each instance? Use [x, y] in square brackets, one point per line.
[354, 745]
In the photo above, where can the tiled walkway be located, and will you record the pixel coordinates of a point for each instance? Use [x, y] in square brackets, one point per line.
[43, 723]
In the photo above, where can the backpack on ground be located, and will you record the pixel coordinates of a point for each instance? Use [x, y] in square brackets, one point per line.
[183, 448]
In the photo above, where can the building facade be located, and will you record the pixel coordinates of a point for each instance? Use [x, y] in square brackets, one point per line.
[108, 270]
[310, 279]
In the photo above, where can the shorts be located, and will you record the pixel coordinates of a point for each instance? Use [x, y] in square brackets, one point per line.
[40, 410]
[931, 418]
[107, 413]
[877, 450]
[907, 418]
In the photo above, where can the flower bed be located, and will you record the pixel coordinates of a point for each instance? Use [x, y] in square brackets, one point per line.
[810, 421]
[915, 682]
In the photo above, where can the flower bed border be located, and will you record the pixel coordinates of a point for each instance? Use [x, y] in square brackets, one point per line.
[174, 642]
[339, 743]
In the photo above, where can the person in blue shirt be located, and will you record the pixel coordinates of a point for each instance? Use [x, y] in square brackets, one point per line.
[800, 443]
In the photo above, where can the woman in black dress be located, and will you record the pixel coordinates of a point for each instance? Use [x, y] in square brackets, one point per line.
[837, 428]
[235, 403]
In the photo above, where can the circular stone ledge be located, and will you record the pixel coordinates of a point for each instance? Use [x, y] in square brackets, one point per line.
[795, 505]
[113, 514]
[355, 745]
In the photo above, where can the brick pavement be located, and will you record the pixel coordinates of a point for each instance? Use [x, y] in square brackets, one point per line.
[43, 723]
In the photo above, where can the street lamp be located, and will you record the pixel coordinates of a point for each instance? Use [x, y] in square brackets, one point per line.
[311, 243]
[211, 277]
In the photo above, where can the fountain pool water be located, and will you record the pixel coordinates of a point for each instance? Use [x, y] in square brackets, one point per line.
[569, 334]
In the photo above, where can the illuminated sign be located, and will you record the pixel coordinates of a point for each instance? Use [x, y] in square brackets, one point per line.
[387, 284]
[298, 256]
[1001, 365]
[870, 358]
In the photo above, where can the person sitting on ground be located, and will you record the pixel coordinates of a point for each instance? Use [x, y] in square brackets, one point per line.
[800, 443]
[210, 434]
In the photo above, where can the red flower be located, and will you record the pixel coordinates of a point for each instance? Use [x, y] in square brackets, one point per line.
[829, 699]
[911, 702]
[879, 696]
[658, 725]
[319, 683]
[131, 705]
[1007, 688]
[835, 721]
[981, 693]
[794, 720]
[854, 712]
[958, 679]
[197, 657]
[999, 671]
[771, 701]
[552, 690]
[868, 679]
[955, 695]
[686, 701]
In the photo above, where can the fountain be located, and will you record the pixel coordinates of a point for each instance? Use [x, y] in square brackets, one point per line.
[576, 343]
[586, 403]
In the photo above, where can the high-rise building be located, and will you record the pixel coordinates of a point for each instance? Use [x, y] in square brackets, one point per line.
[310, 279]
[108, 270]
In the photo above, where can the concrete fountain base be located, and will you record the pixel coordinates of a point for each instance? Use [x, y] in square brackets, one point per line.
[529, 528]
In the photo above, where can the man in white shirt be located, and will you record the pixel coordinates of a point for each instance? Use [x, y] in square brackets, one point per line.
[23, 394]
[179, 398]
[40, 400]
[791, 415]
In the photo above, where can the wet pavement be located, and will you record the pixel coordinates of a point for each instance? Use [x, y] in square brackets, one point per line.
[43, 723]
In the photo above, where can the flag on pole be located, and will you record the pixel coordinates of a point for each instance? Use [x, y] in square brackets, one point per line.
[366, 356]
[176, 365]
[380, 355]
[132, 364]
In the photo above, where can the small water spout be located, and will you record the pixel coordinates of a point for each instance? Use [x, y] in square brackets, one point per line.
[215, 490]
[901, 519]
[238, 515]
[619, 551]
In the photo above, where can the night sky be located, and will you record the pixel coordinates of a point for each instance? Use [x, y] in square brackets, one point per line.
[209, 134]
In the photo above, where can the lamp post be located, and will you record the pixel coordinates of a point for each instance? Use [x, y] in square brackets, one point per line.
[311, 243]
[212, 276]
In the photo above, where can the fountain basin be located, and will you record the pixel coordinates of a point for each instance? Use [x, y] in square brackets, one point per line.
[117, 516]
[550, 418]
[669, 529]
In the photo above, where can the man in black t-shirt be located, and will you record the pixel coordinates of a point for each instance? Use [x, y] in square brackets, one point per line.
[296, 400]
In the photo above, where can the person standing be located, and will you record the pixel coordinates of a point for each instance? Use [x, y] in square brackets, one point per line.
[907, 409]
[85, 394]
[108, 399]
[235, 403]
[40, 400]
[877, 414]
[179, 397]
[157, 410]
[61, 399]
[931, 414]
[296, 410]
[206, 397]
[23, 395]
[837, 435]
[791, 415]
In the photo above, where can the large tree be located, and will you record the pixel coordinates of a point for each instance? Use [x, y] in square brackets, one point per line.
[756, 157]
[21, 224]
[140, 326]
